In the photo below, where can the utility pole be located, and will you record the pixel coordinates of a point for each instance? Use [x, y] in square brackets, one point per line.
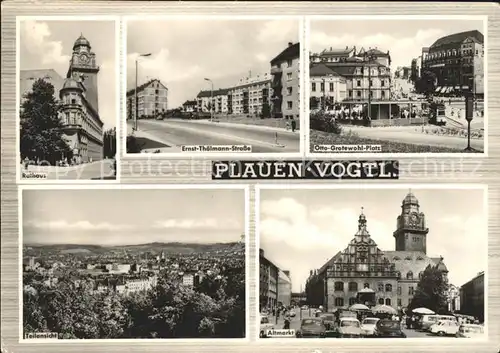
[211, 99]
[135, 93]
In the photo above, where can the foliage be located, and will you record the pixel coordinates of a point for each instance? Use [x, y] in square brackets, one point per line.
[109, 142]
[323, 122]
[431, 291]
[426, 84]
[315, 290]
[133, 144]
[323, 138]
[41, 135]
[266, 110]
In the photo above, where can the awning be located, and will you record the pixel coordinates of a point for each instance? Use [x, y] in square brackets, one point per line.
[438, 89]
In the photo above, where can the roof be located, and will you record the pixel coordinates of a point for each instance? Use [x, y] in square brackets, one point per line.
[291, 52]
[81, 41]
[218, 92]
[415, 261]
[188, 102]
[71, 83]
[337, 52]
[144, 85]
[410, 199]
[376, 52]
[321, 70]
[458, 38]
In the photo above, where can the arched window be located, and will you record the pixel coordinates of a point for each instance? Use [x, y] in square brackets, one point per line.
[339, 301]
[388, 301]
[366, 285]
[380, 287]
[420, 258]
[408, 258]
[388, 287]
[409, 275]
[396, 258]
[339, 286]
[381, 301]
[420, 275]
[352, 301]
[353, 287]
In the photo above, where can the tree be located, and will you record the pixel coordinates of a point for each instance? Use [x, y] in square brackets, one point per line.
[426, 84]
[109, 142]
[266, 110]
[41, 135]
[431, 291]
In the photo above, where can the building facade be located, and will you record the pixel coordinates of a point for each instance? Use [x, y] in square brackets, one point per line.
[472, 297]
[456, 63]
[250, 96]
[326, 87]
[190, 106]
[367, 72]
[268, 282]
[284, 288]
[363, 273]
[285, 83]
[78, 96]
[152, 100]
[216, 100]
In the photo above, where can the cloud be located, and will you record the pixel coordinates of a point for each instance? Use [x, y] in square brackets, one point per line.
[79, 225]
[402, 49]
[278, 31]
[36, 40]
[207, 223]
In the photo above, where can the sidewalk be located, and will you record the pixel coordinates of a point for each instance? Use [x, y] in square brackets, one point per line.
[167, 145]
[240, 126]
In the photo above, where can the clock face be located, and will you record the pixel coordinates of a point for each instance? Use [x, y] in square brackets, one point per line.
[84, 58]
[413, 219]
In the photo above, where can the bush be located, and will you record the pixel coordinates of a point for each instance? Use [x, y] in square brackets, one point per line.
[322, 122]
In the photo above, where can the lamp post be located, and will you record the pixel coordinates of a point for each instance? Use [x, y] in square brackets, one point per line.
[135, 93]
[368, 58]
[211, 99]
[469, 114]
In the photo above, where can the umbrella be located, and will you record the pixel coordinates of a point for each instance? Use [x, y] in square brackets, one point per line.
[359, 307]
[423, 311]
[384, 309]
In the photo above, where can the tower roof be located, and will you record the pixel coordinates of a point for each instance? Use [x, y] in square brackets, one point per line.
[410, 199]
[71, 83]
[81, 41]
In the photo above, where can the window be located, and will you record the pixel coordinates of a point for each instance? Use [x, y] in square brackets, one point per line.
[352, 301]
[353, 287]
[289, 63]
[396, 258]
[383, 94]
[366, 285]
[358, 83]
[331, 86]
[399, 290]
[322, 89]
[420, 275]
[477, 51]
[289, 76]
[358, 93]
[380, 287]
[408, 258]
[339, 301]
[400, 303]
[371, 93]
[409, 275]
[313, 86]
[388, 287]
[73, 101]
[410, 290]
[339, 286]
[388, 301]
[371, 83]
[289, 91]
[157, 91]
[381, 301]
[382, 83]
[350, 93]
[289, 105]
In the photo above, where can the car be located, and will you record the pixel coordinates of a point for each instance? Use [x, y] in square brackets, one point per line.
[445, 328]
[388, 329]
[470, 331]
[329, 322]
[368, 325]
[265, 325]
[349, 328]
[312, 327]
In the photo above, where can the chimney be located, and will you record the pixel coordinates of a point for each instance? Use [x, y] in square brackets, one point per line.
[346, 47]
[331, 48]
[290, 44]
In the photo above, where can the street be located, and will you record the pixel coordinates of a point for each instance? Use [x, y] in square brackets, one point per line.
[101, 170]
[175, 133]
[295, 324]
[407, 135]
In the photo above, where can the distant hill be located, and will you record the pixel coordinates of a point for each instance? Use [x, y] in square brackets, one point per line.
[177, 247]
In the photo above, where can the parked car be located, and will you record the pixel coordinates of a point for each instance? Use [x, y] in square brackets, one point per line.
[329, 322]
[312, 327]
[444, 328]
[428, 320]
[349, 328]
[368, 325]
[470, 331]
[265, 325]
[388, 329]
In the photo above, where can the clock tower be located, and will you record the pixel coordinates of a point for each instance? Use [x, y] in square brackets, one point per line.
[411, 231]
[83, 68]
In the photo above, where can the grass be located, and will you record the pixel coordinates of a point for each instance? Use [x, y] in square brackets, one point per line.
[138, 144]
[272, 122]
[325, 138]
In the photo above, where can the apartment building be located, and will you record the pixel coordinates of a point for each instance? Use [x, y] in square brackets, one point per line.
[152, 98]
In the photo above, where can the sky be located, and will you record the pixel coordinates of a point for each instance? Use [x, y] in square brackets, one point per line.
[129, 217]
[300, 230]
[186, 51]
[403, 38]
[49, 45]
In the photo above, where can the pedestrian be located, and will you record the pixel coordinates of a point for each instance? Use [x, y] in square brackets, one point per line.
[288, 124]
[294, 125]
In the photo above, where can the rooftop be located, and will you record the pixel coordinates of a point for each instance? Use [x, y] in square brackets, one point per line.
[291, 52]
[457, 38]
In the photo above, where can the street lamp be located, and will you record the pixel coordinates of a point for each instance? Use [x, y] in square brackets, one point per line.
[136, 102]
[369, 57]
[211, 99]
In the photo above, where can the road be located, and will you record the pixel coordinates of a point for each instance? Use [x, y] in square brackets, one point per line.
[413, 137]
[175, 133]
[101, 170]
